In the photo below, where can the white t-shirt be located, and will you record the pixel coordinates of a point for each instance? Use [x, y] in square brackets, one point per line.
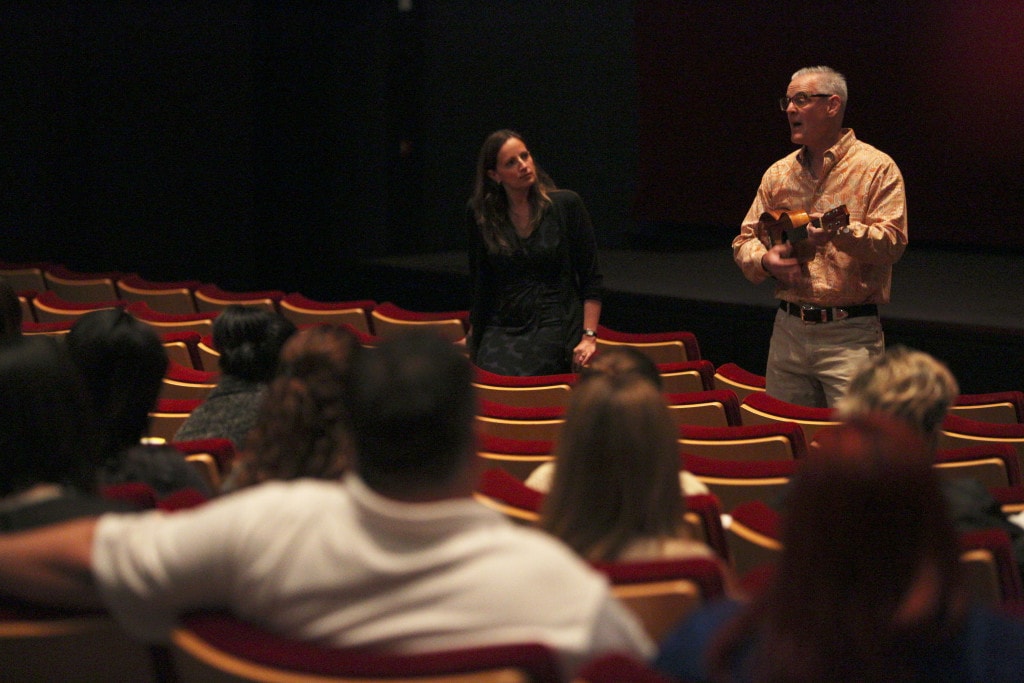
[339, 564]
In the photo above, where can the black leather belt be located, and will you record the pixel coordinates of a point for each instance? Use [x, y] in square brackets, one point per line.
[816, 314]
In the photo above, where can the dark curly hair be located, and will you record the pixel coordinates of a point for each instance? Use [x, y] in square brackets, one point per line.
[302, 429]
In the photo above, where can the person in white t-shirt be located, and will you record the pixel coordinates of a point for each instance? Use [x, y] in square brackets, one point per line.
[396, 557]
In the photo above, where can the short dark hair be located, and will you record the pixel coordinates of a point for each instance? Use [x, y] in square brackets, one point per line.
[412, 406]
[622, 360]
[249, 340]
[122, 362]
[47, 427]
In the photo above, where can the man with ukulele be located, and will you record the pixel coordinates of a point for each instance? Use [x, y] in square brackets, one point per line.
[828, 222]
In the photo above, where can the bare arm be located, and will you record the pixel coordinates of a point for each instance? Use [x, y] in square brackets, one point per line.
[50, 565]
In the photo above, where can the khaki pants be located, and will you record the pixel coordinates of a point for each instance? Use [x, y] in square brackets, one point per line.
[812, 364]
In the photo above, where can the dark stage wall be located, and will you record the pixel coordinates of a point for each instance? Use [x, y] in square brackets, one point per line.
[272, 144]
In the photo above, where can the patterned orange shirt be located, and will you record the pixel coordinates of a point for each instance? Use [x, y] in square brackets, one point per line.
[855, 266]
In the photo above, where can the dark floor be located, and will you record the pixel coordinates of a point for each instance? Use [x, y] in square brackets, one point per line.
[965, 308]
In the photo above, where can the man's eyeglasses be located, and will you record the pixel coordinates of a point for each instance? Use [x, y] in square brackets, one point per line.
[801, 100]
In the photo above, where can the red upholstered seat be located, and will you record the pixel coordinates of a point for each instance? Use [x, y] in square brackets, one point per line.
[661, 347]
[1005, 407]
[215, 642]
[303, 311]
[770, 441]
[760, 408]
[711, 408]
[686, 376]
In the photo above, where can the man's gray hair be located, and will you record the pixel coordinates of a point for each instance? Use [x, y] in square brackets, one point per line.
[832, 82]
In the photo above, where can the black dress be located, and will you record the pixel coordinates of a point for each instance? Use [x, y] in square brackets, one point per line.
[527, 310]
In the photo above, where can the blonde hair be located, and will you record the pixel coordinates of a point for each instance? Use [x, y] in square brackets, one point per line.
[904, 383]
[617, 477]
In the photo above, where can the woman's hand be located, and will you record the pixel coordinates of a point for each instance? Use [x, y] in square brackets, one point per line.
[584, 351]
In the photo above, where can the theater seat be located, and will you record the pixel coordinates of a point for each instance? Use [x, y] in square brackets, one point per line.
[215, 647]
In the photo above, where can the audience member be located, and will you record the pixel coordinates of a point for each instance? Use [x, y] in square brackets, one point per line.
[917, 389]
[49, 452]
[618, 361]
[868, 586]
[616, 494]
[10, 312]
[302, 428]
[122, 362]
[249, 341]
[397, 556]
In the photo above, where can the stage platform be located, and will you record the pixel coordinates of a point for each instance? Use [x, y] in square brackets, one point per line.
[963, 307]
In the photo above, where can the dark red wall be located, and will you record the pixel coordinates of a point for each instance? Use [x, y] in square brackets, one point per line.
[937, 85]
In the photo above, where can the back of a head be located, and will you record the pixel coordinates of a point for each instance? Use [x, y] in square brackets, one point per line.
[122, 362]
[865, 522]
[620, 361]
[906, 384]
[617, 477]
[319, 350]
[249, 340]
[10, 312]
[412, 407]
[303, 425]
[47, 432]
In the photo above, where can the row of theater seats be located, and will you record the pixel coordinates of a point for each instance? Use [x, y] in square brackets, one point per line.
[740, 442]
[216, 647]
[745, 446]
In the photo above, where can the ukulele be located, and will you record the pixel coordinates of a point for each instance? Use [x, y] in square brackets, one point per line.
[791, 226]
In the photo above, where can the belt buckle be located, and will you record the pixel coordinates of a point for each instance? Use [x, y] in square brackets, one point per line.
[840, 314]
[807, 311]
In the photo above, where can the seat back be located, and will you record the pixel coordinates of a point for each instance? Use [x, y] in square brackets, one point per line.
[50, 307]
[389, 320]
[185, 382]
[209, 357]
[70, 648]
[713, 408]
[302, 311]
[662, 347]
[734, 482]
[1002, 407]
[215, 647]
[741, 382]
[182, 348]
[540, 396]
[704, 520]
[961, 432]
[51, 329]
[615, 667]
[521, 430]
[990, 568]
[518, 457]
[994, 465]
[165, 323]
[688, 376]
[752, 534]
[663, 592]
[501, 491]
[212, 299]
[28, 312]
[24, 277]
[771, 441]
[167, 416]
[760, 408]
[81, 287]
[166, 297]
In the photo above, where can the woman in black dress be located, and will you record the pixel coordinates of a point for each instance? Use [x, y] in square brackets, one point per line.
[533, 263]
